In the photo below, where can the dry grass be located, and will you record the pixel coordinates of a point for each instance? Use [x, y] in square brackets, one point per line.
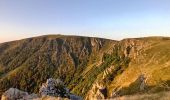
[155, 96]
[153, 61]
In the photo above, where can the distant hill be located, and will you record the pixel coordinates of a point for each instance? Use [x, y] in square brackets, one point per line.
[89, 67]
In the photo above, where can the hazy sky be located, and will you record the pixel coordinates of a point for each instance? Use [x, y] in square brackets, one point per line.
[114, 19]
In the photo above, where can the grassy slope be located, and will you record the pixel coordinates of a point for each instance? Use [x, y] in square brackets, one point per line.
[153, 96]
[153, 61]
[27, 63]
[36, 61]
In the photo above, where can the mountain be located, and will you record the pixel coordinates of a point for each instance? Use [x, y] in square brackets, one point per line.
[93, 68]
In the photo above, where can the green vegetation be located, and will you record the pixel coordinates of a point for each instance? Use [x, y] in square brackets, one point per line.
[79, 61]
[120, 63]
[26, 64]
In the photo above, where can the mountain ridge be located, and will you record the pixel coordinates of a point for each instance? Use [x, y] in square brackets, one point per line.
[86, 65]
[60, 35]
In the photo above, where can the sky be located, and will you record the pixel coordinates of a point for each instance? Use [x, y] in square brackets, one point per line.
[112, 19]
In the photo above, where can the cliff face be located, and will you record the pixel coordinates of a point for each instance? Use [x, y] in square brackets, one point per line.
[93, 68]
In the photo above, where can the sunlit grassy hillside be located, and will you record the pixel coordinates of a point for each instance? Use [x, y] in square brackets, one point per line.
[90, 67]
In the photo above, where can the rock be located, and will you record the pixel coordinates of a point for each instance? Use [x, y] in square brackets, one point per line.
[53, 89]
[98, 90]
[75, 97]
[15, 94]
[51, 98]
[143, 82]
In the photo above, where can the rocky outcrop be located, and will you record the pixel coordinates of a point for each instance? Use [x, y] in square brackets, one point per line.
[51, 90]
[95, 92]
[15, 94]
[98, 90]
[54, 88]
[143, 85]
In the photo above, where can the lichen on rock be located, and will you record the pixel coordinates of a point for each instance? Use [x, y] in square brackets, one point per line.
[53, 89]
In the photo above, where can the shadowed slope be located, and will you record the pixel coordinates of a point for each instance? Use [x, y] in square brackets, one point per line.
[25, 64]
[87, 66]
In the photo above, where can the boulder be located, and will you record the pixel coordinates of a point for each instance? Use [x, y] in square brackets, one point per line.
[15, 94]
[53, 89]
